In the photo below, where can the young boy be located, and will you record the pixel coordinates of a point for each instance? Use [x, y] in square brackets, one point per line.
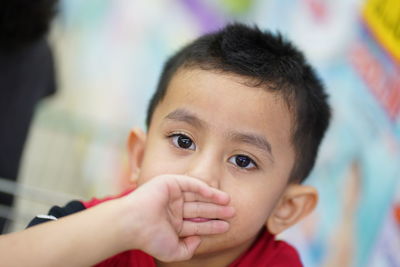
[243, 112]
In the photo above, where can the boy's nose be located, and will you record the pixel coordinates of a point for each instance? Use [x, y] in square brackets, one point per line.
[207, 169]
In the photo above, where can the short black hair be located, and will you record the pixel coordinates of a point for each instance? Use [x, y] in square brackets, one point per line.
[270, 61]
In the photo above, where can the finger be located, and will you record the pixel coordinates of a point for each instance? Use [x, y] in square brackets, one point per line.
[196, 189]
[187, 247]
[183, 250]
[207, 210]
[219, 197]
[208, 227]
[192, 197]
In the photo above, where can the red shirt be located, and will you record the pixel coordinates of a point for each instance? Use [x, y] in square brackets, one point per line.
[266, 251]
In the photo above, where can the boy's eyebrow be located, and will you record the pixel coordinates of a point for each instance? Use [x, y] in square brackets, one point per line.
[252, 139]
[185, 116]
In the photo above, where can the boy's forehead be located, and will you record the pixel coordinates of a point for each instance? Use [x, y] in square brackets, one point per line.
[188, 81]
[191, 86]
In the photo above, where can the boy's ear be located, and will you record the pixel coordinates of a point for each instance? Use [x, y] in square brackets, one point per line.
[296, 202]
[136, 147]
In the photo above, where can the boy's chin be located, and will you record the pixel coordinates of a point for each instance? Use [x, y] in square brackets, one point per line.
[219, 245]
[209, 245]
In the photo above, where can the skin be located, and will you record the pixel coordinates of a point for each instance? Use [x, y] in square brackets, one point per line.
[113, 227]
[204, 124]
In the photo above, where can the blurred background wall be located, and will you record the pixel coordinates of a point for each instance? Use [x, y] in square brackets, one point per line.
[109, 54]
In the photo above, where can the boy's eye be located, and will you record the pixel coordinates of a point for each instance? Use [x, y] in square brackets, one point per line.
[243, 161]
[183, 141]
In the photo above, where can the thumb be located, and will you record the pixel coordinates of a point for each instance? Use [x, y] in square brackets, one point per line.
[187, 247]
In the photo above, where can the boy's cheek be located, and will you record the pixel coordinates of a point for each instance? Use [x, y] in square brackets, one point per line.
[159, 165]
[147, 174]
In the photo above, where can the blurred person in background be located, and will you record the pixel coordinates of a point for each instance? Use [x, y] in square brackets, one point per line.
[26, 75]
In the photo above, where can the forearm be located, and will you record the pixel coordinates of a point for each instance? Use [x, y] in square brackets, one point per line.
[82, 239]
[151, 218]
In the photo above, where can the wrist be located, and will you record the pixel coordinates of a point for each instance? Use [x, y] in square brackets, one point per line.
[127, 224]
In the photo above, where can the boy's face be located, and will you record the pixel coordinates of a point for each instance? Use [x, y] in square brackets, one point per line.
[234, 137]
